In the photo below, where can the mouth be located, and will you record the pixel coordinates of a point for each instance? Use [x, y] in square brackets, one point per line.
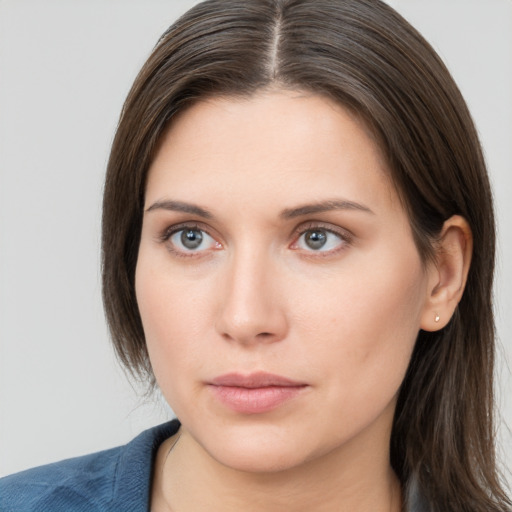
[255, 393]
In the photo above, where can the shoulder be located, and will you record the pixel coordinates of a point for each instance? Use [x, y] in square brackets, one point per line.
[115, 479]
[81, 483]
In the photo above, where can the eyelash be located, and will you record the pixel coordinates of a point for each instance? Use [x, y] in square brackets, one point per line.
[172, 230]
[345, 237]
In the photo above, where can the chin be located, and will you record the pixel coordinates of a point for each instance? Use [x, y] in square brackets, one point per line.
[258, 449]
[257, 460]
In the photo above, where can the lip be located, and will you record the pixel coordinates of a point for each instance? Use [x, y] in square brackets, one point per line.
[255, 393]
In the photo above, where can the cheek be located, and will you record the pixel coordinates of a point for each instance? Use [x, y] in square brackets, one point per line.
[171, 321]
[365, 323]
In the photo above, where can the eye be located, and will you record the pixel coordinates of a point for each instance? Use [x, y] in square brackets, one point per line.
[319, 239]
[191, 240]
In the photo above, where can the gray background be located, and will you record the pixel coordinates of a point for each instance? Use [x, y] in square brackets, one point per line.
[65, 68]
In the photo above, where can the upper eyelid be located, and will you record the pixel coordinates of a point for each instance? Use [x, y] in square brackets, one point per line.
[167, 232]
[327, 226]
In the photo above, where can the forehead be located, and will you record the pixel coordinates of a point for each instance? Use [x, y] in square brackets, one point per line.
[290, 145]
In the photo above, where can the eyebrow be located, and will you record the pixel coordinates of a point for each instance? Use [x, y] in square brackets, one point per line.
[288, 213]
[324, 206]
[180, 206]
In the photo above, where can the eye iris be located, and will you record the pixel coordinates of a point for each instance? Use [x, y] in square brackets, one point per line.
[191, 238]
[316, 239]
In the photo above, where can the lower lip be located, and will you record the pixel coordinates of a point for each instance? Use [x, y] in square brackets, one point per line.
[255, 400]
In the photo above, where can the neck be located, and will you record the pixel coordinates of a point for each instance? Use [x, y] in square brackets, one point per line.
[348, 479]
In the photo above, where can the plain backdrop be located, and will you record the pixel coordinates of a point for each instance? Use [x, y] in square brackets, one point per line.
[65, 69]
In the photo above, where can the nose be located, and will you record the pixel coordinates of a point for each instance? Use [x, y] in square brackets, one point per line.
[251, 310]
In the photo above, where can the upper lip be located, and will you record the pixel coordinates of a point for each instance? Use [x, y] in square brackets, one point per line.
[254, 380]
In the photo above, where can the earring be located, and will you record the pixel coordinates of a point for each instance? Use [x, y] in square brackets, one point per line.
[437, 318]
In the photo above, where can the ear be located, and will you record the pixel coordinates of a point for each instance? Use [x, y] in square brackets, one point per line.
[447, 275]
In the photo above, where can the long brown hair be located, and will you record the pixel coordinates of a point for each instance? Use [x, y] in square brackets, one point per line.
[364, 55]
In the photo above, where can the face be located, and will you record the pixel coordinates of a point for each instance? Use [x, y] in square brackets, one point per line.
[279, 286]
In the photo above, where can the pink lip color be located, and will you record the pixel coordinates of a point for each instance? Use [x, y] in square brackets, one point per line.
[255, 393]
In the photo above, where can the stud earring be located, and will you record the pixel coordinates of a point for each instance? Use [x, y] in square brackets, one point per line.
[437, 318]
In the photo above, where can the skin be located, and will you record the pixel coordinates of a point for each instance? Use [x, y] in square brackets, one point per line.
[254, 296]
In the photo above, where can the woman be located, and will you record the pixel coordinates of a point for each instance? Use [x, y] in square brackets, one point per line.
[298, 247]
